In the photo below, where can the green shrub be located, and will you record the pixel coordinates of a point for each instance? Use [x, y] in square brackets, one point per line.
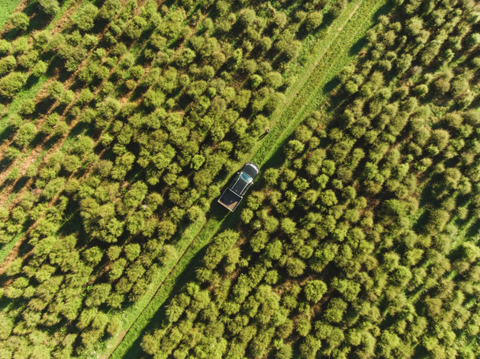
[314, 290]
[50, 7]
[313, 21]
[12, 83]
[25, 134]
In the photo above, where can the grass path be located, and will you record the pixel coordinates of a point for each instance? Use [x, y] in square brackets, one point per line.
[336, 54]
[331, 54]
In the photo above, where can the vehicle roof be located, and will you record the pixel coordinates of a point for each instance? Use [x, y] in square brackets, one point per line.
[251, 169]
[239, 185]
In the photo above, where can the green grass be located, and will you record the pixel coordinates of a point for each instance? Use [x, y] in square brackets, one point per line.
[332, 61]
[6, 9]
[6, 248]
[26, 94]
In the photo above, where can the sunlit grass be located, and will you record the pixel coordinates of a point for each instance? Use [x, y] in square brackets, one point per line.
[6, 9]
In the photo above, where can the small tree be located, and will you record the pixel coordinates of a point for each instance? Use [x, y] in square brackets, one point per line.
[295, 267]
[150, 344]
[39, 69]
[132, 251]
[338, 7]
[309, 347]
[247, 17]
[50, 7]
[114, 325]
[294, 148]
[469, 251]
[86, 16]
[313, 21]
[12, 83]
[274, 79]
[168, 253]
[27, 107]
[197, 162]
[93, 255]
[271, 176]
[335, 310]
[11, 153]
[25, 134]
[441, 85]
[116, 269]
[20, 20]
[135, 27]
[314, 290]
[109, 9]
[7, 64]
[98, 295]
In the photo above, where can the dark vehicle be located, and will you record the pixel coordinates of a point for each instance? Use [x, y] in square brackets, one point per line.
[233, 194]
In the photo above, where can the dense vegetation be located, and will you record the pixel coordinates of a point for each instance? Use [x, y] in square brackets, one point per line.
[123, 119]
[363, 243]
[142, 113]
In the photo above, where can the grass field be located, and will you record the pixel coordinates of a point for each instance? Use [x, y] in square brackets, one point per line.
[6, 8]
[330, 55]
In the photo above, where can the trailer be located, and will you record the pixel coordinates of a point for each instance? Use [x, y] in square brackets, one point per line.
[229, 199]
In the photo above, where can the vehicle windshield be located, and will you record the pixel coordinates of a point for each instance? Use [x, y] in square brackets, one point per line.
[246, 177]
